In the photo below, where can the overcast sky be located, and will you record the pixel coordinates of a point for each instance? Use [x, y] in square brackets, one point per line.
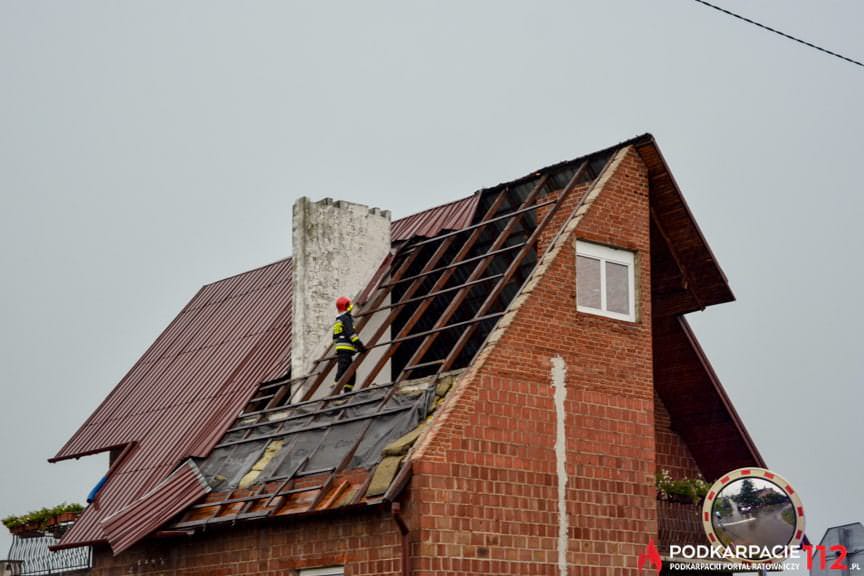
[147, 148]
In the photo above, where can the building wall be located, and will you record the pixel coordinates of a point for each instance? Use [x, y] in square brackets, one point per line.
[487, 475]
[677, 523]
[672, 454]
[366, 543]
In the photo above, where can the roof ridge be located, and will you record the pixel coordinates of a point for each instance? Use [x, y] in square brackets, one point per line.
[274, 263]
[436, 207]
[647, 136]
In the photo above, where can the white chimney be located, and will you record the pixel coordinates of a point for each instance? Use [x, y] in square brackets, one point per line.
[338, 247]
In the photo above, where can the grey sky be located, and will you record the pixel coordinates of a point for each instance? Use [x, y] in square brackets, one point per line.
[147, 148]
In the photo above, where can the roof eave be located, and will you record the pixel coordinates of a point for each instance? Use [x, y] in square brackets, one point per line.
[710, 286]
[721, 393]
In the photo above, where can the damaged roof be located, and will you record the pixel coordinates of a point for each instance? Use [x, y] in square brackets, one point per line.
[447, 217]
[335, 451]
[299, 445]
[188, 387]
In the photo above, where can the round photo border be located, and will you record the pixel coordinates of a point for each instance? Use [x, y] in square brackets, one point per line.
[753, 472]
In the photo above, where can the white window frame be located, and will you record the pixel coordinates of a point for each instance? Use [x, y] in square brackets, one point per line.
[326, 571]
[616, 256]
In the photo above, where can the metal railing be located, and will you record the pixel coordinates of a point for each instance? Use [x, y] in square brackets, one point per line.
[31, 556]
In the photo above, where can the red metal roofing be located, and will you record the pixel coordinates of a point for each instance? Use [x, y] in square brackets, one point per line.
[452, 216]
[146, 514]
[182, 394]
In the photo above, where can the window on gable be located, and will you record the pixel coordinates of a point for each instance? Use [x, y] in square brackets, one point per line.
[605, 281]
[328, 571]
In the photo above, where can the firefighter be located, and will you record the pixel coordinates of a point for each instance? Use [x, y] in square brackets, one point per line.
[346, 341]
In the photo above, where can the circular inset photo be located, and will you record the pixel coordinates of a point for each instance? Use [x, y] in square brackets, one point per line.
[754, 512]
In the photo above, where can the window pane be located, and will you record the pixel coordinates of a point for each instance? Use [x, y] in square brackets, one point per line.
[617, 288]
[588, 282]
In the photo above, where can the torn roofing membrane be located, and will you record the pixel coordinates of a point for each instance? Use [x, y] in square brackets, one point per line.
[290, 462]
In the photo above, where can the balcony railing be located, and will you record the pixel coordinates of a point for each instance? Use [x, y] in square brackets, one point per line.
[31, 556]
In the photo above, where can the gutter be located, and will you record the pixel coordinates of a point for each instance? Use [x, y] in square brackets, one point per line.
[396, 510]
[393, 491]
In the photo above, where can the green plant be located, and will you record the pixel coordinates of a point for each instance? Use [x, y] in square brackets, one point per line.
[12, 522]
[39, 519]
[681, 489]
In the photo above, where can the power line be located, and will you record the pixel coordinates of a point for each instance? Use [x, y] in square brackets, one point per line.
[775, 31]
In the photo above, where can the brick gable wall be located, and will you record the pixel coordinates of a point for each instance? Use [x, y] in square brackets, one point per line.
[672, 454]
[487, 477]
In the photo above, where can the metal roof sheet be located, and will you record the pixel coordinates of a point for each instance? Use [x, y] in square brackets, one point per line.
[451, 216]
[171, 496]
[177, 400]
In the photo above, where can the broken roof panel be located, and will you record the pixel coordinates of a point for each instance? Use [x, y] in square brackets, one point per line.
[447, 217]
[184, 392]
[298, 458]
[194, 379]
[169, 497]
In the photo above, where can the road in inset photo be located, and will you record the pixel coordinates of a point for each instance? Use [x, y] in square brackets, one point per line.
[752, 511]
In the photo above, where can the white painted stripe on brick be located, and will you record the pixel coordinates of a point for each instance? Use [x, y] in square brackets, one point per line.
[559, 383]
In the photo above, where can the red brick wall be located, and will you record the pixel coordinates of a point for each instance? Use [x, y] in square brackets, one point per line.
[366, 542]
[487, 481]
[672, 454]
[677, 523]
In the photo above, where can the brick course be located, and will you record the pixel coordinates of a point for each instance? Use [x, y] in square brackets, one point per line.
[366, 542]
[672, 454]
[487, 479]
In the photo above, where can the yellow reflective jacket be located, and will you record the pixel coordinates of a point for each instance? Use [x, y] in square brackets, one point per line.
[343, 333]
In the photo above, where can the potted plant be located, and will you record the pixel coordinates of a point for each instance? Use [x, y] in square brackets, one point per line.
[66, 513]
[682, 490]
[37, 522]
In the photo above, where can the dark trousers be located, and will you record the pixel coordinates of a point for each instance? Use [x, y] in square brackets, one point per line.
[344, 358]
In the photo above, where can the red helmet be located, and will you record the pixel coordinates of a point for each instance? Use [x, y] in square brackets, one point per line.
[343, 303]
